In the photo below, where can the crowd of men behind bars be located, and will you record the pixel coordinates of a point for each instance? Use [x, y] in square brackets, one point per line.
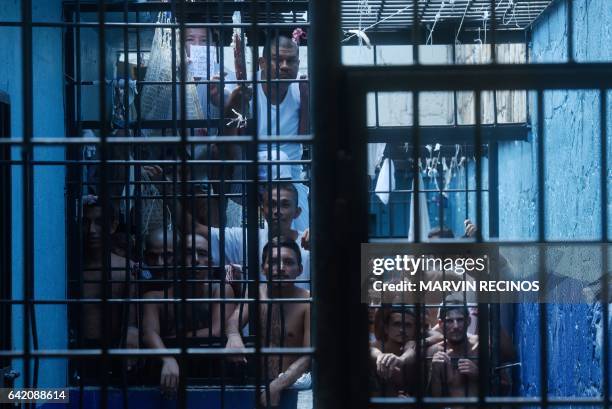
[192, 267]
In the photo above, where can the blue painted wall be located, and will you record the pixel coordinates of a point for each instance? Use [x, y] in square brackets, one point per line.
[572, 206]
[49, 212]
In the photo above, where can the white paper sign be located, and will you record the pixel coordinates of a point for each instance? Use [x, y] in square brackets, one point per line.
[199, 56]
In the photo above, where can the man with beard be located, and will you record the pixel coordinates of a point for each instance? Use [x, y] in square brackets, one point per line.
[454, 370]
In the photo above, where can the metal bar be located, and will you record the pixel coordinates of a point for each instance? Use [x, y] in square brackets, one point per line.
[61, 353]
[543, 319]
[165, 140]
[483, 309]
[182, 390]
[27, 184]
[252, 233]
[192, 7]
[166, 300]
[104, 196]
[493, 401]
[111, 24]
[493, 35]
[493, 190]
[331, 356]
[481, 77]
[125, 319]
[449, 134]
[605, 296]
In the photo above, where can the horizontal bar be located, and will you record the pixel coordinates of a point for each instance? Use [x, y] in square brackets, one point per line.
[449, 134]
[460, 241]
[208, 7]
[424, 191]
[162, 301]
[481, 77]
[117, 163]
[444, 34]
[60, 353]
[519, 400]
[111, 140]
[212, 81]
[118, 24]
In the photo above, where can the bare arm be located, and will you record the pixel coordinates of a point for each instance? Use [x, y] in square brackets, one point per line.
[437, 366]
[375, 352]
[409, 355]
[151, 328]
[150, 324]
[238, 318]
[216, 312]
[433, 337]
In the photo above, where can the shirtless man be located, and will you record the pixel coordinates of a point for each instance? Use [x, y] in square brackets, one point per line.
[454, 371]
[121, 316]
[162, 321]
[393, 353]
[281, 258]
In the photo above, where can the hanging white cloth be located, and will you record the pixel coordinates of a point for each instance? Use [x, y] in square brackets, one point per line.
[424, 224]
[386, 181]
[375, 156]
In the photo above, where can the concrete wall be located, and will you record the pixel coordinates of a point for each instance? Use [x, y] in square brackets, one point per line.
[48, 211]
[572, 204]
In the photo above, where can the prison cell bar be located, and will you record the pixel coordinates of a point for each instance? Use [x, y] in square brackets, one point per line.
[104, 193]
[605, 300]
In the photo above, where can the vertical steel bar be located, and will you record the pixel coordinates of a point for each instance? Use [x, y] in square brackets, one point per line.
[77, 53]
[331, 360]
[222, 202]
[493, 33]
[416, 228]
[543, 324]
[605, 296]
[182, 392]
[79, 211]
[125, 310]
[105, 199]
[252, 225]
[493, 189]
[173, 67]
[483, 308]
[28, 182]
[126, 74]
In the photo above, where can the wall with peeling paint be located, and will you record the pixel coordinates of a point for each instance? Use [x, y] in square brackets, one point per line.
[572, 202]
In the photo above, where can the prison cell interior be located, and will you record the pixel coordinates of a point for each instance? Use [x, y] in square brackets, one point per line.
[548, 42]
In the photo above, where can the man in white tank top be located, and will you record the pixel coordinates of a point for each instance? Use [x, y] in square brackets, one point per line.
[282, 110]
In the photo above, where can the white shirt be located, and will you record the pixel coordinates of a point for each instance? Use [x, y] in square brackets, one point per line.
[289, 121]
[234, 250]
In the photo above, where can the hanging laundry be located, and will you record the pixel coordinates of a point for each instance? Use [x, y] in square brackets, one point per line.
[386, 181]
[424, 224]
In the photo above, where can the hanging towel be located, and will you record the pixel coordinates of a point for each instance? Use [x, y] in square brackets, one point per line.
[375, 156]
[386, 181]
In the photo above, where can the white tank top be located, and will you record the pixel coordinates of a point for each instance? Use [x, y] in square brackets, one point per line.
[289, 123]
